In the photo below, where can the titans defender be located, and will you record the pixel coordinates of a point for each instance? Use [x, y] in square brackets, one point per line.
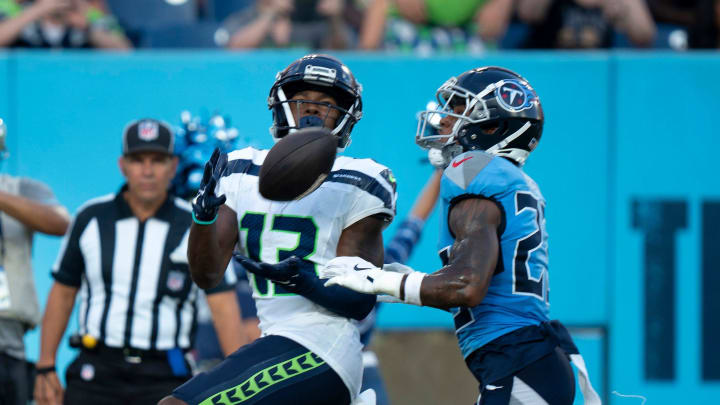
[493, 244]
[310, 351]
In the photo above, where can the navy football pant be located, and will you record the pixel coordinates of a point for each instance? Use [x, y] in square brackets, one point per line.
[528, 366]
[548, 381]
[270, 370]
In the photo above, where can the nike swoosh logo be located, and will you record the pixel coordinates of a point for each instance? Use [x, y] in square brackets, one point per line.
[459, 162]
[493, 387]
[361, 268]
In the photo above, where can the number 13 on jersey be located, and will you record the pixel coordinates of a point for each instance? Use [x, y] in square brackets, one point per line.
[298, 237]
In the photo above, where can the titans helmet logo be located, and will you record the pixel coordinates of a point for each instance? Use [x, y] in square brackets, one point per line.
[513, 96]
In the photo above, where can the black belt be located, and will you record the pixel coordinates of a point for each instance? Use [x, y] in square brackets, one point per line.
[129, 354]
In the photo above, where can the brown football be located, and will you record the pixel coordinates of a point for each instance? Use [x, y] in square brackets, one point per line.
[298, 164]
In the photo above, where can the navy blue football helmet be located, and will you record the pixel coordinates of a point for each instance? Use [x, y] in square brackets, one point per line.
[322, 73]
[495, 110]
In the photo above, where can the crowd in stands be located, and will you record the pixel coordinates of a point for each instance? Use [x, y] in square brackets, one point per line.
[412, 26]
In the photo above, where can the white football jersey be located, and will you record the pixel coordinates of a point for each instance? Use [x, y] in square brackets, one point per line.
[309, 228]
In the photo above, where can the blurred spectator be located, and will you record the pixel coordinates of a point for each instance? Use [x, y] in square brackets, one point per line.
[26, 206]
[435, 25]
[699, 18]
[59, 24]
[310, 24]
[585, 24]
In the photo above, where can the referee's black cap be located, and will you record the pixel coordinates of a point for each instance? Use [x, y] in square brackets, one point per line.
[148, 135]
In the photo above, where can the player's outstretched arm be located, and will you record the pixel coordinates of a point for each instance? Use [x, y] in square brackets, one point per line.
[213, 233]
[473, 258]
[463, 282]
[210, 248]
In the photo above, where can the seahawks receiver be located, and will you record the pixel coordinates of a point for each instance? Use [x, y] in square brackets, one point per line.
[310, 351]
[493, 244]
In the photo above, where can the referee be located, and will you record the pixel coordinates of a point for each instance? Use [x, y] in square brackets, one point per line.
[126, 255]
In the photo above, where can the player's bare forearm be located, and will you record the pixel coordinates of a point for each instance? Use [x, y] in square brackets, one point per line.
[425, 202]
[57, 312]
[210, 248]
[49, 219]
[473, 259]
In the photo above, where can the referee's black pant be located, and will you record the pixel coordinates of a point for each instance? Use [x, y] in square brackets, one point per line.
[109, 377]
[14, 381]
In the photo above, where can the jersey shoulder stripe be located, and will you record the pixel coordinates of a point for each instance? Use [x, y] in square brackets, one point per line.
[363, 182]
[246, 161]
[367, 175]
[244, 166]
[465, 167]
[478, 173]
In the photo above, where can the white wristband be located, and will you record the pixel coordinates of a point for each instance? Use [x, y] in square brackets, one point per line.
[412, 287]
[388, 283]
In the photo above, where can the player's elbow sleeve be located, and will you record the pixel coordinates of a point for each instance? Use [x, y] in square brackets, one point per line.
[365, 304]
[342, 301]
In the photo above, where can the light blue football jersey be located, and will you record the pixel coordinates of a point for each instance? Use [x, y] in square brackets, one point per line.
[518, 293]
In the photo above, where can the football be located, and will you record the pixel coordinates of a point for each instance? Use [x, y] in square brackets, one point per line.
[297, 164]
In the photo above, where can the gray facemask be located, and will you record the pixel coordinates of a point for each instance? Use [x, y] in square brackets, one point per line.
[3, 136]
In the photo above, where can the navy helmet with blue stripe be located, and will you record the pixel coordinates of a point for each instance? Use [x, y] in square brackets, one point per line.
[495, 110]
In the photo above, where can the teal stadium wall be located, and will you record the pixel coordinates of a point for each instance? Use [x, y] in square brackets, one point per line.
[626, 163]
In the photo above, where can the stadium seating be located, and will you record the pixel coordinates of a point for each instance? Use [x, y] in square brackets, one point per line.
[220, 9]
[668, 36]
[137, 15]
[195, 35]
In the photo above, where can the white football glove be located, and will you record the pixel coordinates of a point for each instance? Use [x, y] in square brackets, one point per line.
[397, 268]
[362, 276]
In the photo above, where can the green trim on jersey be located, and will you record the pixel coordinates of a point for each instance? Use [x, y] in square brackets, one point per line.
[265, 379]
[253, 255]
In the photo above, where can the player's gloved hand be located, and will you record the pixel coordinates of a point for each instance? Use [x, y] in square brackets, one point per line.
[362, 276]
[206, 204]
[289, 273]
[436, 158]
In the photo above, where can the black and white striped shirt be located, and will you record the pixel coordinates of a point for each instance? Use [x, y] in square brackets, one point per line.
[134, 280]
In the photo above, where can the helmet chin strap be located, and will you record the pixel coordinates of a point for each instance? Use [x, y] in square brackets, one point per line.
[498, 146]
